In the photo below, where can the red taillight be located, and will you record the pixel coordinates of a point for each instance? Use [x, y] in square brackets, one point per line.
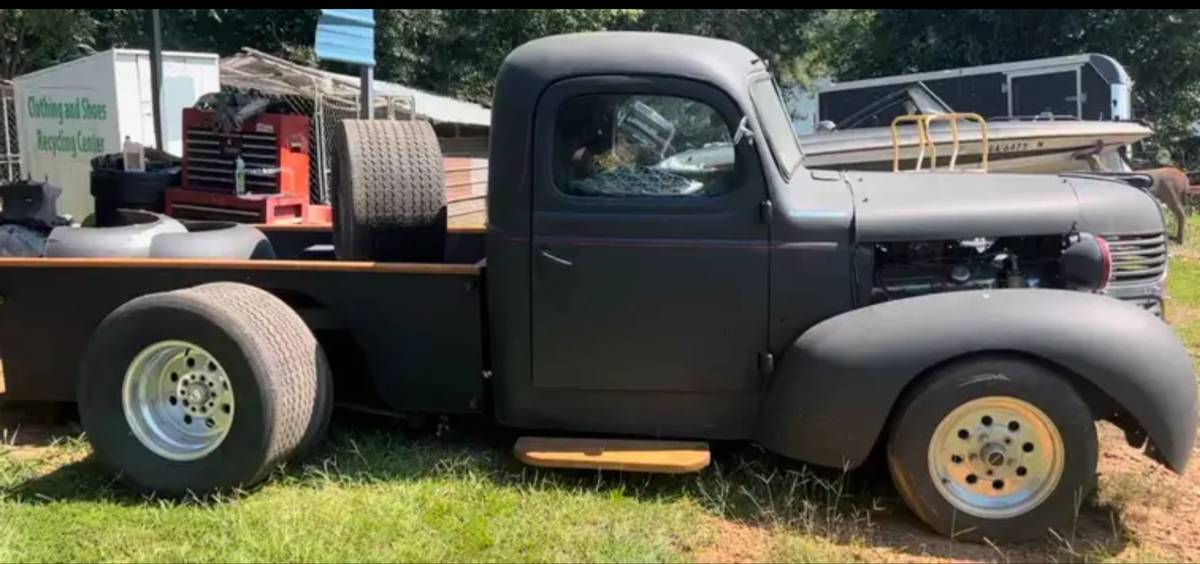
[1106, 261]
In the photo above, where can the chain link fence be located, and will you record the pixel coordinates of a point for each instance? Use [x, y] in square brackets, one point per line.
[10, 154]
[324, 110]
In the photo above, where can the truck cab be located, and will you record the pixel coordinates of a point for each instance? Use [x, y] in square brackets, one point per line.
[661, 262]
[690, 267]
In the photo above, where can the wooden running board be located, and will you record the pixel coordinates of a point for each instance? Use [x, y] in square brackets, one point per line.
[668, 457]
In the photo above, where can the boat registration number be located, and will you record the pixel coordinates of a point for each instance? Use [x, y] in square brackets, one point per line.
[1008, 147]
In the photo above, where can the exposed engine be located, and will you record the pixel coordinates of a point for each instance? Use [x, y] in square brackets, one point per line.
[896, 270]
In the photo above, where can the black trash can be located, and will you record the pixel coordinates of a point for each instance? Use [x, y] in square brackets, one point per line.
[115, 188]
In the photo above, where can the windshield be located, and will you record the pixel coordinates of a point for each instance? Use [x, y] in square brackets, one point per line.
[914, 99]
[777, 125]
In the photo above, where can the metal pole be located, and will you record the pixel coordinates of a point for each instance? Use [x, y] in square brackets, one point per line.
[367, 98]
[156, 77]
[8, 154]
[319, 140]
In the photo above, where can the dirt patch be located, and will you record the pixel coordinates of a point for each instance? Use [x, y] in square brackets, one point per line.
[1188, 253]
[735, 542]
[1182, 315]
[900, 537]
[25, 452]
[1159, 509]
[1142, 510]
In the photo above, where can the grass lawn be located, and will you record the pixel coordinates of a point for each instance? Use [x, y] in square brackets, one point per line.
[378, 492]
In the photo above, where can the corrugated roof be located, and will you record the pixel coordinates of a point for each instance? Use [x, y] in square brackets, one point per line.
[254, 69]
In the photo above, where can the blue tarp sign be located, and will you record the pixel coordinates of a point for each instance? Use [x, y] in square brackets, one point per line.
[347, 36]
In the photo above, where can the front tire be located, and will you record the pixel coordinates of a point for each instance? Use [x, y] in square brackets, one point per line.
[202, 389]
[994, 447]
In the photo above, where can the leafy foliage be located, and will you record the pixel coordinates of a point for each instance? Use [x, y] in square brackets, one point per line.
[1159, 48]
[458, 52]
[779, 36]
[32, 39]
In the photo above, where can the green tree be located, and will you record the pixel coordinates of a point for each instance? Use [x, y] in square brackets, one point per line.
[286, 33]
[1159, 48]
[459, 51]
[779, 36]
[32, 39]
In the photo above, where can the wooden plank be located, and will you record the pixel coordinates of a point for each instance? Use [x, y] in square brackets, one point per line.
[474, 224]
[246, 264]
[629, 455]
[293, 226]
[466, 215]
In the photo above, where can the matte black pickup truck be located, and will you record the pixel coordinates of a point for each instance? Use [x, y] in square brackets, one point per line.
[964, 325]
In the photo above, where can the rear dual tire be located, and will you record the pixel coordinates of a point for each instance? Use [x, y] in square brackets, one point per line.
[203, 389]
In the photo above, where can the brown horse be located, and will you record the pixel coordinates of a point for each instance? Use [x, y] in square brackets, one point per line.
[1169, 185]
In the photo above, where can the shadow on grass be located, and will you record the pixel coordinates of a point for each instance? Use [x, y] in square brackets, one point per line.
[36, 424]
[745, 485]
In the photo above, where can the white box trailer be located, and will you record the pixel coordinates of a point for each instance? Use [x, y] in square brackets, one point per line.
[71, 112]
[1087, 87]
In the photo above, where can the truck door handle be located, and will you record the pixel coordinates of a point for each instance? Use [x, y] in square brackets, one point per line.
[556, 259]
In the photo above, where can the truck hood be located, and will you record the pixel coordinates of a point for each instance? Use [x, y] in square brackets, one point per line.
[928, 206]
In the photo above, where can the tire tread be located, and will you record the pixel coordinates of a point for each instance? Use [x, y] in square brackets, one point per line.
[391, 181]
[287, 352]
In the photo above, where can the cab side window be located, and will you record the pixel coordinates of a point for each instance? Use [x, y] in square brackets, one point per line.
[621, 145]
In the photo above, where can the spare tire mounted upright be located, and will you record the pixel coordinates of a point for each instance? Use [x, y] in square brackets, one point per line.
[390, 197]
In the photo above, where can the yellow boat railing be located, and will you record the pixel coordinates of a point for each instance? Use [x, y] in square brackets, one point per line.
[928, 147]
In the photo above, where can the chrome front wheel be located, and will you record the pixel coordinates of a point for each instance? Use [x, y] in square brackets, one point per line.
[996, 447]
[996, 457]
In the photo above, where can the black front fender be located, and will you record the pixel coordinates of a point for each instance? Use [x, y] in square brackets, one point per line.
[834, 389]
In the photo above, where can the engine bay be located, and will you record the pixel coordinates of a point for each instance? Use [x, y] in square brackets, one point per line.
[903, 269]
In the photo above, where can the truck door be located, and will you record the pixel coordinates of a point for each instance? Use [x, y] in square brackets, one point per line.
[649, 249]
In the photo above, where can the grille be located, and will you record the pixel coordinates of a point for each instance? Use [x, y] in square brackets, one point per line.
[212, 156]
[1137, 258]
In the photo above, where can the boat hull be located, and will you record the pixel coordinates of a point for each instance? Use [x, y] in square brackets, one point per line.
[1028, 147]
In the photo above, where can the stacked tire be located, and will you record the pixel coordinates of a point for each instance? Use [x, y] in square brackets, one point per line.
[146, 234]
[390, 200]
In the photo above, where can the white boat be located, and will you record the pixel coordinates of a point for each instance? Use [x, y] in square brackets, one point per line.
[1038, 144]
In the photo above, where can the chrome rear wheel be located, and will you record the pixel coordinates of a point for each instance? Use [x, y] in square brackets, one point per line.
[178, 400]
